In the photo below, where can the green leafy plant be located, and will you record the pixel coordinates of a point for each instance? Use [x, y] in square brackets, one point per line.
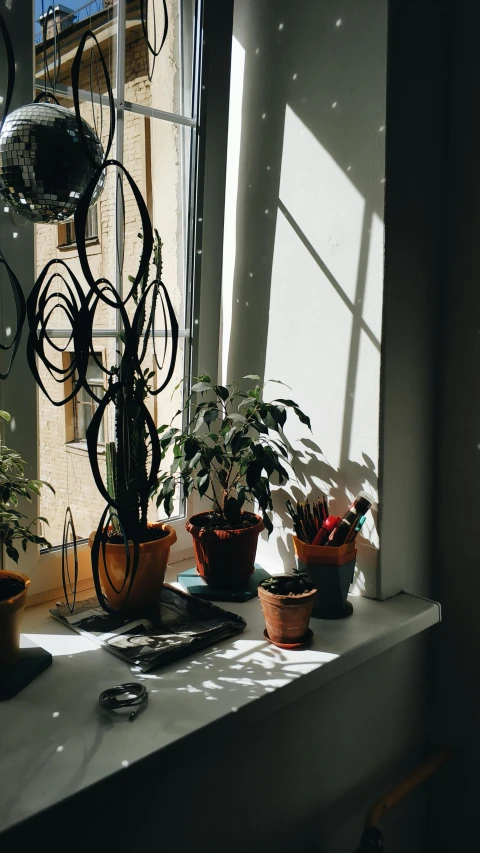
[14, 486]
[232, 450]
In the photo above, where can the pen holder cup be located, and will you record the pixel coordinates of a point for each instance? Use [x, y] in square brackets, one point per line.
[331, 570]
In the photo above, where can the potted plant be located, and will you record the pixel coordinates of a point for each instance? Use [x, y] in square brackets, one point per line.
[231, 452]
[130, 554]
[14, 528]
[287, 602]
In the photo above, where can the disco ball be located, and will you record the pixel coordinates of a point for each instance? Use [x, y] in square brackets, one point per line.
[44, 168]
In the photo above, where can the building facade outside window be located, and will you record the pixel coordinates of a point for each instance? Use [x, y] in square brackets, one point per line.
[155, 139]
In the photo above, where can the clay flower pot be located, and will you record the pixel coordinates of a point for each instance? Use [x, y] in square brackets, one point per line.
[225, 558]
[11, 610]
[150, 575]
[287, 616]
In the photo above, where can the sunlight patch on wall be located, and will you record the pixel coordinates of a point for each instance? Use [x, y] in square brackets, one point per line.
[323, 201]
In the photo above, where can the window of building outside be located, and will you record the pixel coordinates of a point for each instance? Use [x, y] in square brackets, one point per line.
[66, 231]
[84, 406]
[155, 139]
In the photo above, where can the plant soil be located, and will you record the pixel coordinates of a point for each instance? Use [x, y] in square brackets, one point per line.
[291, 585]
[217, 521]
[153, 534]
[10, 587]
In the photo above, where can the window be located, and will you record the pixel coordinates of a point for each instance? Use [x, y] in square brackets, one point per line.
[66, 230]
[84, 406]
[155, 139]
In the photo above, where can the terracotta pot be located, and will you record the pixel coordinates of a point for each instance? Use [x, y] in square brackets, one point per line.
[152, 565]
[11, 610]
[286, 616]
[225, 558]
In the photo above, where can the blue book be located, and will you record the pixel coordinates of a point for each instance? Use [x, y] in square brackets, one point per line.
[193, 583]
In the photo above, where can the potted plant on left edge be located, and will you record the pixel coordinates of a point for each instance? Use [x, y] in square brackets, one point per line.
[14, 486]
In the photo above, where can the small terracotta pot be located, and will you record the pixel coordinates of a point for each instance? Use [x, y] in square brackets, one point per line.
[152, 565]
[286, 616]
[11, 610]
[225, 558]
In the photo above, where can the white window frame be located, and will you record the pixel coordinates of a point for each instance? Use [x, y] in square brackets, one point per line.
[200, 331]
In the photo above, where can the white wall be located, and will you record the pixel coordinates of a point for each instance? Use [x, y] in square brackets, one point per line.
[303, 250]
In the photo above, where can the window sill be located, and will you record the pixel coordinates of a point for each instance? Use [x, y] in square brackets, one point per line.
[237, 682]
[80, 448]
[65, 247]
[70, 250]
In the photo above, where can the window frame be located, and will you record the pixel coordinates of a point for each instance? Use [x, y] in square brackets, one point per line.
[208, 123]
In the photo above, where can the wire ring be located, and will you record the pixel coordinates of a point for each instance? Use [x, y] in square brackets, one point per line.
[111, 700]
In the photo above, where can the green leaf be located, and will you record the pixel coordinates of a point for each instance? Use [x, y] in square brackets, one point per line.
[269, 420]
[303, 418]
[187, 487]
[200, 387]
[168, 487]
[254, 472]
[222, 477]
[237, 419]
[221, 391]
[5, 416]
[190, 448]
[229, 435]
[202, 482]
[252, 376]
[268, 524]
[290, 403]
[281, 447]
[195, 459]
[210, 416]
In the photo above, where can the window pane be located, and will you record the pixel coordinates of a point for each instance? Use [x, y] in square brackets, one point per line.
[62, 463]
[72, 20]
[157, 155]
[163, 82]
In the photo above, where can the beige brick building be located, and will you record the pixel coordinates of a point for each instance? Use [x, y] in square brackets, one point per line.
[154, 153]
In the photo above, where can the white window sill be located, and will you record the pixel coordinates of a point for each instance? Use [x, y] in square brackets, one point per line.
[80, 448]
[236, 682]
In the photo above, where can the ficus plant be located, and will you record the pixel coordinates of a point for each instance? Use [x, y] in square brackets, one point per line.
[14, 486]
[232, 451]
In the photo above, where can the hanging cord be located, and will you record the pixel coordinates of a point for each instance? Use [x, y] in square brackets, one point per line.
[134, 695]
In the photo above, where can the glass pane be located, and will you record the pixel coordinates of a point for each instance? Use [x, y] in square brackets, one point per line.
[63, 463]
[157, 155]
[163, 82]
[72, 20]
[164, 407]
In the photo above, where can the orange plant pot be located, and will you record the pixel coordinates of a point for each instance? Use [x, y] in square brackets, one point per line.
[150, 575]
[11, 610]
[286, 616]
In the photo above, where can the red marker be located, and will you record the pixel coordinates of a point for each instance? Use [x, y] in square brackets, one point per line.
[326, 529]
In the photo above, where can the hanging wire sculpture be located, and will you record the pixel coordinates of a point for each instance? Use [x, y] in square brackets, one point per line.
[152, 51]
[136, 453]
[47, 154]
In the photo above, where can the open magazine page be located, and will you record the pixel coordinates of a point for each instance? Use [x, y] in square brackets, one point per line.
[175, 626]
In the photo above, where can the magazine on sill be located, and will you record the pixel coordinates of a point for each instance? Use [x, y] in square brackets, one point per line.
[173, 627]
